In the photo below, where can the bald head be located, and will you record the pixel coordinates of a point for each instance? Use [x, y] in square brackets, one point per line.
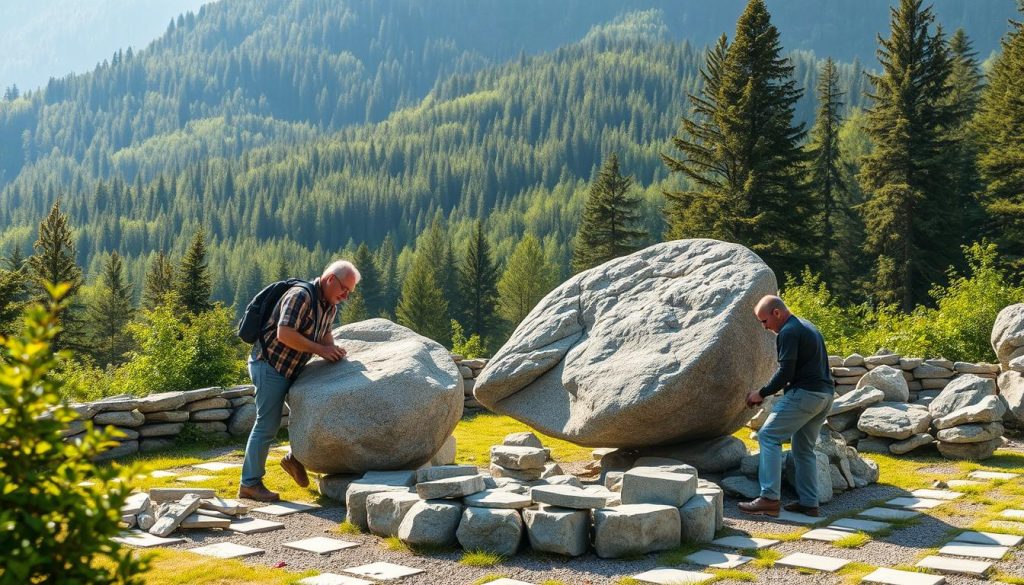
[772, 312]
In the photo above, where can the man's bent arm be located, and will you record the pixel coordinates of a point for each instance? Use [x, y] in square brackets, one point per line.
[297, 341]
[783, 376]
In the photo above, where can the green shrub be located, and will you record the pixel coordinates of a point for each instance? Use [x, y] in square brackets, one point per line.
[53, 530]
[469, 348]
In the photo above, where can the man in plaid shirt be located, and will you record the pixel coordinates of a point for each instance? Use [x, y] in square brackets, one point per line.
[291, 337]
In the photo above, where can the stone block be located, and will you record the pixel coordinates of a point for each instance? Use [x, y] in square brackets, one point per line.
[355, 499]
[489, 529]
[519, 458]
[170, 416]
[644, 485]
[430, 523]
[335, 486]
[697, 519]
[450, 487]
[386, 510]
[567, 496]
[436, 472]
[558, 531]
[518, 474]
[174, 515]
[120, 418]
[633, 529]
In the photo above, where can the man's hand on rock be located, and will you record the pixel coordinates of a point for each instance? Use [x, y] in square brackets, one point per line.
[754, 398]
[331, 353]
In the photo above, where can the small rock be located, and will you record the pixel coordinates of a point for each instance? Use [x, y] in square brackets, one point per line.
[908, 445]
[559, 531]
[697, 519]
[526, 439]
[971, 433]
[386, 510]
[492, 530]
[430, 523]
[970, 451]
[646, 485]
[450, 487]
[519, 458]
[635, 529]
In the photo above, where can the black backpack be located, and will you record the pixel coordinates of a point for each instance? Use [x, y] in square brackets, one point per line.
[262, 305]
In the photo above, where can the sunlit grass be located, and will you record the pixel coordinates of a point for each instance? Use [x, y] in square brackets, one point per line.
[172, 567]
[854, 572]
[480, 558]
[763, 558]
[781, 536]
[731, 575]
[677, 556]
[346, 527]
[475, 435]
[855, 540]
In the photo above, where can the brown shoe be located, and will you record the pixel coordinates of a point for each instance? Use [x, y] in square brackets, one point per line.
[760, 506]
[257, 492]
[294, 468]
[802, 509]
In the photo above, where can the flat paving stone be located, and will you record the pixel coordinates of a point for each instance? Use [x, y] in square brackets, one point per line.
[796, 518]
[507, 581]
[285, 508]
[672, 577]
[888, 514]
[744, 542]
[718, 560]
[954, 566]
[1012, 514]
[333, 579]
[936, 494]
[915, 503]
[195, 478]
[955, 483]
[254, 525]
[827, 534]
[498, 499]
[321, 545]
[816, 562]
[383, 571]
[989, 538]
[859, 525]
[978, 551]
[894, 577]
[217, 466]
[226, 550]
[990, 475]
[162, 473]
[144, 539]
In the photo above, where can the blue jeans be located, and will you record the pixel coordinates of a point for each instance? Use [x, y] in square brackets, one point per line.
[271, 390]
[799, 415]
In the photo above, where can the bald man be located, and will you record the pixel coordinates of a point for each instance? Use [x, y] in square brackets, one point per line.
[808, 389]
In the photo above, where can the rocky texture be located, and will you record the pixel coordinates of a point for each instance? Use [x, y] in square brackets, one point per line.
[1008, 333]
[635, 529]
[1011, 393]
[707, 456]
[450, 487]
[911, 443]
[971, 433]
[964, 391]
[491, 530]
[656, 347]
[558, 530]
[889, 380]
[988, 409]
[862, 397]
[242, 420]
[355, 499]
[430, 523]
[386, 510]
[347, 415]
[697, 519]
[647, 485]
[971, 451]
[894, 420]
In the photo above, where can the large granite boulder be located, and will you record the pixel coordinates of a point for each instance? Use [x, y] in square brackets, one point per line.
[967, 390]
[657, 347]
[1008, 334]
[889, 380]
[1011, 393]
[390, 404]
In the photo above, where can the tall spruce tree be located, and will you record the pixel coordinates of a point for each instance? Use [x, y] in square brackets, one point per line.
[965, 82]
[384, 260]
[159, 281]
[369, 289]
[16, 259]
[54, 262]
[907, 177]
[999, 120]
[827, 184]
[743, 154]
[355, 307]
[478, 285]
[12, 284]
[607, 229]
[423, 306]
[527, 277]
[109, 313]
[193, 284]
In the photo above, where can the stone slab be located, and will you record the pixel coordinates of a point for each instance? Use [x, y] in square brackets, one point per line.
[888, 514]
[333, 579]
[135, 504]
[797, 518]
[286, 508]
[159, 495]
[744, 542]
[144, 539]
[507, 581]
[320, 545]
[989, 475]
[226, 550]
[860, 525]
[202, 521]
[915, 503]
[672, 577]
[936, 494]
[195, 478]
[717, 560]
[444, 471]
[383, 571]
[955, 483]
[1012, 514]
[451, 487]
[827, 534]
[229, 507]
[498, 499]
[217, 466]
[989, 538]
[816, 562]
[978, 551]
[567, 496]
[162, 473]
[254, 525]
[954, 566]
[894, 577]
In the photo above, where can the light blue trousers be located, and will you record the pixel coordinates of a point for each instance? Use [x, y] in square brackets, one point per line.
[271, 390]
[799, 415]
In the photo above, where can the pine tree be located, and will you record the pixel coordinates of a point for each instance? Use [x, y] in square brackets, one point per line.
[526, 279]
[249, 282]
[355, 306]
[965, 82]
[435, 244]
[159, 281]
[478, 285]
[607, 227]
[422, 306]
[193, 285]
[907, 177]
[1001, 153]
[826, 179]
[54, 262]
[109, 313]
[743, 152]
[384, 260]
[12, 284]
[16, 260]
[369, 290]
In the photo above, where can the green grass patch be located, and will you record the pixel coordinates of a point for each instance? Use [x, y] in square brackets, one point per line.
[763, 558]
[172, 567]
[853, 573]
[855, 540]
[781, 536]
[395, 544]
[481, 558]
[347, 527]
[553, 582]
[487, 579]
[1007, 578]
[475, 434]
[731, 575]
[628, 581]
[677, 556]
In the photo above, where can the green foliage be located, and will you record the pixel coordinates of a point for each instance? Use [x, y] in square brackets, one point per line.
[469, 348]
[478, 286]
[355, 308]
[178, 354]
[423, 307]
[480, 558]
[607, 229]
[526, 279]
[108, 312]
[54, 261]
[159, 281]
[12, 287]
[53, 529]
[192, 285]
[369, 283]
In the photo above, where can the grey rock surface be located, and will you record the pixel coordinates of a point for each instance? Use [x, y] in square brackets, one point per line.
[559, 531]
[450, 487]
[889, 380]
[635, 529]
[971, 433]
[1008, 332]
[242, 420]
[121, 418]
[514, 457]
[161, 401]
[697, 519]
[386, 510]
[430, 523]
[911, 443]
[989, 409]
[355, 499]
[652, 348]
[1011, 393]
[964, 391]
[525, 439]
[970, 451]
[647, 485]
[345, 415]
[707, 456]
[894, 420]
[742, 486]
[488, 529]
[444, 471]
[567, 496]
[861, 397]
[336, 485]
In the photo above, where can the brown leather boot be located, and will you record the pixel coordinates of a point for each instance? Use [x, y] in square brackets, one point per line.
[801, 509]
[294, 468]
[258, 492]
[760, 506]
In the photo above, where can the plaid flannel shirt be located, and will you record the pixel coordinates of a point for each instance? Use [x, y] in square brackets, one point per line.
[294, 310]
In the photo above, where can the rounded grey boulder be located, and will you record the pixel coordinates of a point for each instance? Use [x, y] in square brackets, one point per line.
[889, 380]
[1008, 333]
[390, 404]
[657, 347]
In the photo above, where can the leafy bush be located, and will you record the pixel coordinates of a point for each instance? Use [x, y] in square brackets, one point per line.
[469, 348]
[52, 529]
